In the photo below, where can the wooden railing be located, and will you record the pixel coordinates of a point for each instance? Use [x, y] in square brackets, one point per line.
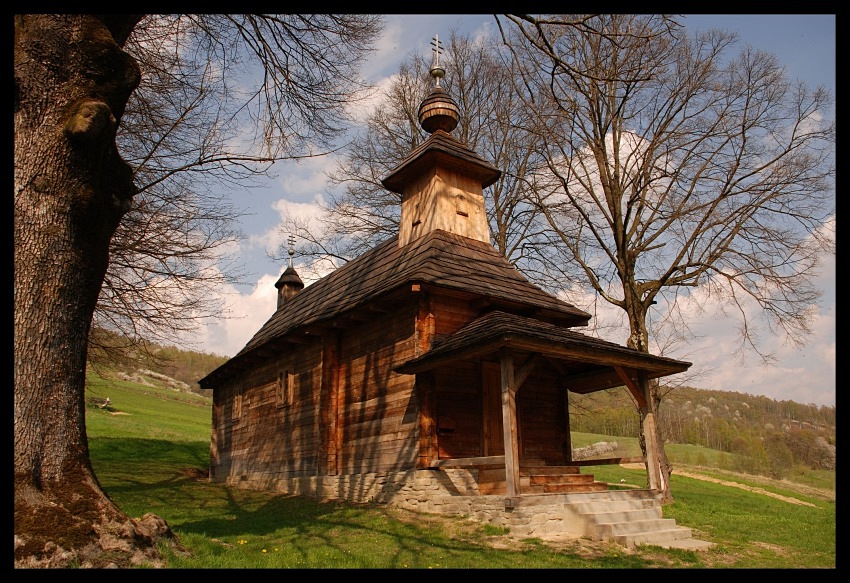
[608, 461]
[469, 462]
[499, 461]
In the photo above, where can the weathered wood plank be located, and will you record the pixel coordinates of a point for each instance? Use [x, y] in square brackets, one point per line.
[609, 461]
[468, 462]
[509, 423]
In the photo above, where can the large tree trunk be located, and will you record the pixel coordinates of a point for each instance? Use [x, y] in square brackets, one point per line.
[664, 467]
[639, 339]
[72, 82]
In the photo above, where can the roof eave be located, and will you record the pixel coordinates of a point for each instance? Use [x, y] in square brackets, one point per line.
[603, 356]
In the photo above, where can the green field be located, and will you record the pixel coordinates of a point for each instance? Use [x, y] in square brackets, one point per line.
[150, 451]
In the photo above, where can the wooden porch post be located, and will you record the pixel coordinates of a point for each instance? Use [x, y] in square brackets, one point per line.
[509, 427]
[329, 443]
[639, 388]
[653, 467]
[424, 387]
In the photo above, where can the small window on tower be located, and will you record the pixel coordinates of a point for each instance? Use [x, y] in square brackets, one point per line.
[460, 206]
[416, 220]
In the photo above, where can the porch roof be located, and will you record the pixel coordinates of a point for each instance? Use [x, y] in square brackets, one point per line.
[588, 364]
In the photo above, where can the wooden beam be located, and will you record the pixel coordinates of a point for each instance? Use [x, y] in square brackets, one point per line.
[632, 385]
[428, 450]
[425, 325]
[595, 354]
[509, 424]
[609, 461]
[338, 415]
[329, 400]
[525, 369]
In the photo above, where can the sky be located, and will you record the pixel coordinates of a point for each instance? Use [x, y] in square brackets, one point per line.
[805, 44]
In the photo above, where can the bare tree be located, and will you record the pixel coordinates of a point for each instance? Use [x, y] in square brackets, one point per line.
[73, 187]
[189, 138]
[359, 212]
[672, 165]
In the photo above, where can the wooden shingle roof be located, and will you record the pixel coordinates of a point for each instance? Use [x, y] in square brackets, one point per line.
[590, 361]
[451, 153]
[440, 259]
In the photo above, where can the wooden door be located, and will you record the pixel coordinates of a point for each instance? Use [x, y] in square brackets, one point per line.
[494, 439]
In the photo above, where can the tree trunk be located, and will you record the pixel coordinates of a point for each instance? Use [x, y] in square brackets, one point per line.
[639, 339]
[72, 82]
[663, 463]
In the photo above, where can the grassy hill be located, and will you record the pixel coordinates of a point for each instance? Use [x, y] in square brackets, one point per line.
[150, 450]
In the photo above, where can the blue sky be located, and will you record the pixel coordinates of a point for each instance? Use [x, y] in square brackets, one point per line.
[805, 44]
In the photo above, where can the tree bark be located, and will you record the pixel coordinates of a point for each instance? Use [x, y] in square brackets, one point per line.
[663, 462]
[639, 339]
[72, 82]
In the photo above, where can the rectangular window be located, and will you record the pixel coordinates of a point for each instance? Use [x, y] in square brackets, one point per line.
[286, 387]
[236, 413]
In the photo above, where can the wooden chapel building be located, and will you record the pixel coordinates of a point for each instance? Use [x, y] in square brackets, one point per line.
[428, 372]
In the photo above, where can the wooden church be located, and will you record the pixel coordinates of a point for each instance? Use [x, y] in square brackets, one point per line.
[427, 373]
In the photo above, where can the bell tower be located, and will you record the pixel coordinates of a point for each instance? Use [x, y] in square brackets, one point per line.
[441, 181]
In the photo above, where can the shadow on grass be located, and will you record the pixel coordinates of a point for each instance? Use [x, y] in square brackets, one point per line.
[168, 479]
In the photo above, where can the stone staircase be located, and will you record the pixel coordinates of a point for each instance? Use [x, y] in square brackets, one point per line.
[626, 517]
[557, 502]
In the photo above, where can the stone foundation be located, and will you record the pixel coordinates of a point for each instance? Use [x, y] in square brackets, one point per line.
[452, 492]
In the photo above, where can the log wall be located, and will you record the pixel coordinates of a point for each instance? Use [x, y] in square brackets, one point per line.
[263, 435]
[378, 409]
[334, 407]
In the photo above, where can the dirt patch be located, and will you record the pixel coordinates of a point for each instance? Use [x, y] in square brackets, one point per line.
[732, 484]
[472, 530]
[745, 487]
[197, 474]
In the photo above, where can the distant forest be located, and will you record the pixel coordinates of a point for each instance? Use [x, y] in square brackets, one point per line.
[769, 436]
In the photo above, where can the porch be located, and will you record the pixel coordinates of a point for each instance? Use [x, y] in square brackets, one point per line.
[535, 476]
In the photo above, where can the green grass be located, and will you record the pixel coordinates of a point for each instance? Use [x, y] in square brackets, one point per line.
[147, 450]
[146, 412]
[762, 531]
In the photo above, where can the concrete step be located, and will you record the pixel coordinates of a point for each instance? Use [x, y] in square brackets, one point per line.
[617, 499]
[613, 506]
[628, 518]
[661, 538]
[616, 516]
[609, 530]
[635, 522]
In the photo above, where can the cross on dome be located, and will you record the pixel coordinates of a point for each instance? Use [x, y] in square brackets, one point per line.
[436, 70]
[291, 248]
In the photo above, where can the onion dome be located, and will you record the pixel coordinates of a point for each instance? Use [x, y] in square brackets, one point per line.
[438, 111]
[288, 284]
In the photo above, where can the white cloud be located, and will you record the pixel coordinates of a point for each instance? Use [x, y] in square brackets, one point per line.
[804, 375]
[305, 179]
[246, 314]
